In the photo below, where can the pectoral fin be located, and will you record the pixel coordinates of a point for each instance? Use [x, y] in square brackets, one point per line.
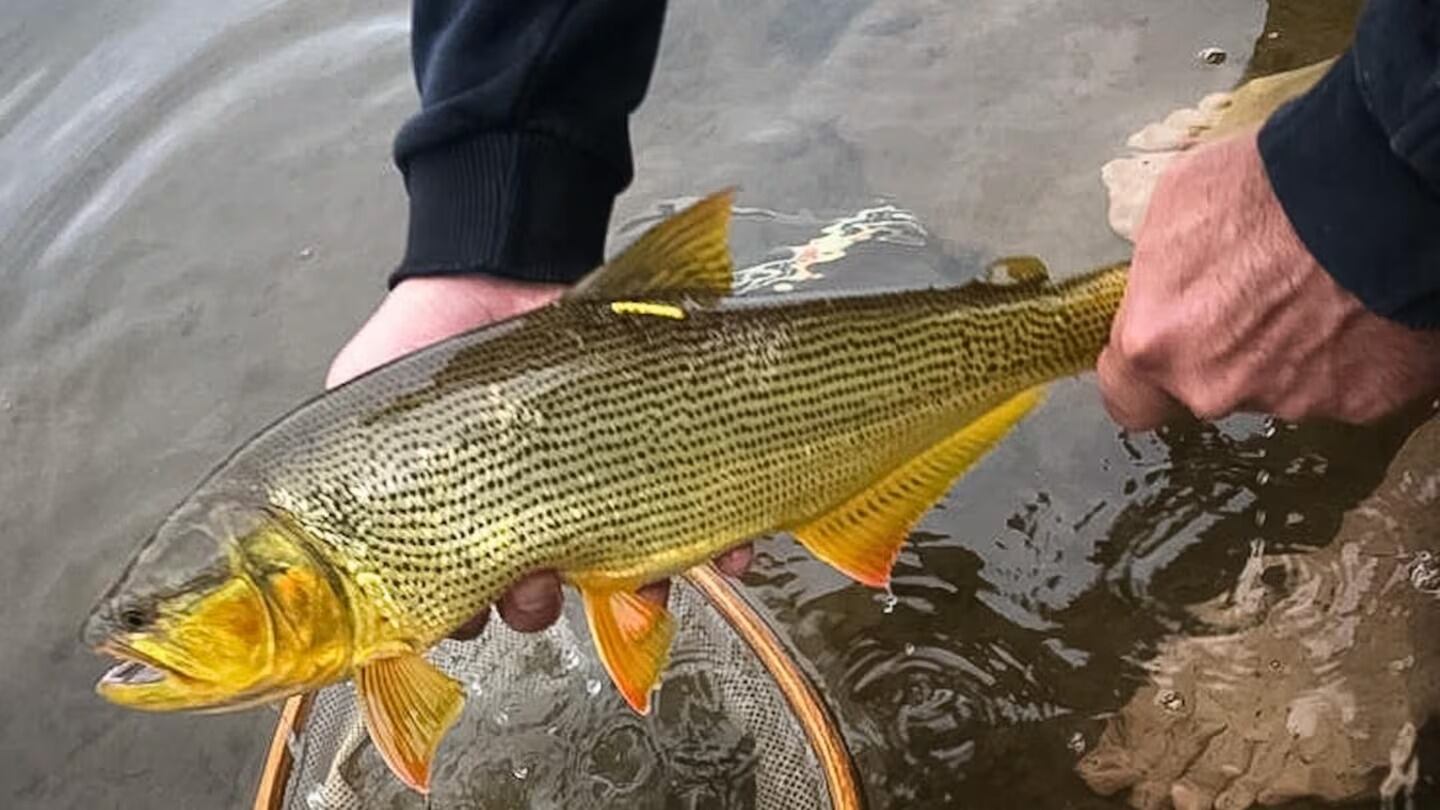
[632, 635]
[862, 536]
[409, 705]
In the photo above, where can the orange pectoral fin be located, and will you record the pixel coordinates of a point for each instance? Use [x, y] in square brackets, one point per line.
[862, 536]
[409, 705]
[632, 635]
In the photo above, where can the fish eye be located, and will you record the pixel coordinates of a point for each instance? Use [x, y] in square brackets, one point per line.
[135, 617]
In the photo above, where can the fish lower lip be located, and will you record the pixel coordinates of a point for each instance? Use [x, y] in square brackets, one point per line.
[131, 673]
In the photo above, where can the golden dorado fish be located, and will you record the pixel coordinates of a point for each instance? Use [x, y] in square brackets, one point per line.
[633, 429]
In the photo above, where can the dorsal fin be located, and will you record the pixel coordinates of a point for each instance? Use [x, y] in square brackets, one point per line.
[687, 254]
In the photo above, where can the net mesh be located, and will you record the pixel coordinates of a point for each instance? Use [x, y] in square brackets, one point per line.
[543, 727]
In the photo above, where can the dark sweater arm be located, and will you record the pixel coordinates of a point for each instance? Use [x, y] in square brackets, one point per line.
[522, 141]
[1356, 163]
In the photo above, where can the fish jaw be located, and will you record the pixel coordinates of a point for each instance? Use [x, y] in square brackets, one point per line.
[272, 621]
[202, 651]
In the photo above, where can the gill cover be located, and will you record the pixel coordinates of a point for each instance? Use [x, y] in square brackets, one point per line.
[226, 607]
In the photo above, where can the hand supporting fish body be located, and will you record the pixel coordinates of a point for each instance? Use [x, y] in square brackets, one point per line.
[626, 433]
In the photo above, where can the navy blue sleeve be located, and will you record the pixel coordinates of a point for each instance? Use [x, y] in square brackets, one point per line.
[522, 141]
[1356, 163]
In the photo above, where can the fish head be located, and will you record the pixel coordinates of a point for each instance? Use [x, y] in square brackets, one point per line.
[229, 604]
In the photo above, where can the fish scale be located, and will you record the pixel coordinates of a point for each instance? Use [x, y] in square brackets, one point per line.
[633, 446]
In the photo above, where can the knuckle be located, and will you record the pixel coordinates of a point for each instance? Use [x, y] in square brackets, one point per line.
[1210, 402]
[1142, 343]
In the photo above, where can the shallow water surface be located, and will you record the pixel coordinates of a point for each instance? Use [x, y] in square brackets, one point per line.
[197, 207]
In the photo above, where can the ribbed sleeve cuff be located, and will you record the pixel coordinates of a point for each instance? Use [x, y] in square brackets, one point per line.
[1361, 211]
[524, 206]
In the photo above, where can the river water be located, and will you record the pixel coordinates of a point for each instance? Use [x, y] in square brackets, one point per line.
[197, 207]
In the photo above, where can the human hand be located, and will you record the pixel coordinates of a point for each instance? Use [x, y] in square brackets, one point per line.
[425, 310]
[1226, 310]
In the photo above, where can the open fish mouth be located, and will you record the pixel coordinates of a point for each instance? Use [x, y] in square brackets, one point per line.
[132, 673]
[132, 670]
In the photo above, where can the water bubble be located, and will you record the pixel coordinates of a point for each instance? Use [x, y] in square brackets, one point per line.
[306, 253]
[1267, 430]
[1212, 56]
[1170, 700]
[1262, 478]
[888, 601]
[1425, 573]
[909, 649]
[520, 772]
[1076, 743]
[592, 687]
[476, 688]
[570, 659]
[1294, 519]
[1259, 518]
[502, 717]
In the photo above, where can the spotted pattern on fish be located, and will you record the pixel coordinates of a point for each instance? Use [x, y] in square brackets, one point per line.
[626, 446]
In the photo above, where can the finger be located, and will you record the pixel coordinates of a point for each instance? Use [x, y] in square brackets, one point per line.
[472, 628]
[657, 592]
[736, 561]
[1131, 401]
[533, 603]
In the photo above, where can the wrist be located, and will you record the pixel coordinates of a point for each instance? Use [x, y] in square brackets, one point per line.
[473, 298]
[1360, 210]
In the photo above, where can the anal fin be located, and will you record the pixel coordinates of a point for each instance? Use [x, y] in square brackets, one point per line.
[632, 635]
[862, 536]
[409, 705]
